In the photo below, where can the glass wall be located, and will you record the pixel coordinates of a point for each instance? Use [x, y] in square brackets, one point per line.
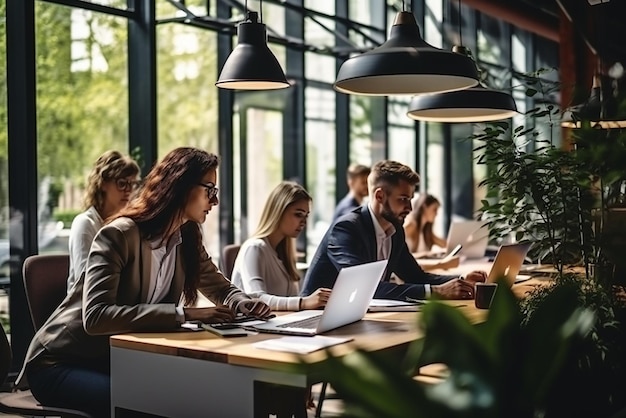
[80, 54]
[320, 161]
[264, 158]
[402, 146]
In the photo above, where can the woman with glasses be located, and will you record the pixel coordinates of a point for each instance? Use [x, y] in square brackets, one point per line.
[139, 266]
[109, 187]
[266, 263]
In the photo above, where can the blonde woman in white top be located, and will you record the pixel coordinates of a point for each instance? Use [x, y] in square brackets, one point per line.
[265, 267]
[112, 181]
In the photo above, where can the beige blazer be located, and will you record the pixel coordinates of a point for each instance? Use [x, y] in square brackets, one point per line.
[111, 297]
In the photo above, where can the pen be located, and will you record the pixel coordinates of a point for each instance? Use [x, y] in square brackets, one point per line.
[413, 300]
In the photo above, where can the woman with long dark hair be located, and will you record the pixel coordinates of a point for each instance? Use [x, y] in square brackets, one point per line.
[138, 267]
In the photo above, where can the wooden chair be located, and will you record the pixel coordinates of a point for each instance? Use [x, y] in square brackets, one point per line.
[45, 283]
[22, 402]
[229, 255]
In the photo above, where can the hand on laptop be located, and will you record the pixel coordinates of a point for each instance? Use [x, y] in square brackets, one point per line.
[476, 276]
[210, 315]
[255, 308]
[316, 300]
[454, 289]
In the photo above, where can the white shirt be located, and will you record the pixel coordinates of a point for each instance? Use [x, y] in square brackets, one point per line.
[261, 274]
[383, 243]
[84, 228]
[162, 269]
[383, 239]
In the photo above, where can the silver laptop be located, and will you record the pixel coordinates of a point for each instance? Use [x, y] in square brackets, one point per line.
[508, 262]
[473, 236]
[348, 302]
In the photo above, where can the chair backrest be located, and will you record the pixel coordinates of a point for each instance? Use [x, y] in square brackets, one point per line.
[229, 255]
[5, 356]
[45, 282]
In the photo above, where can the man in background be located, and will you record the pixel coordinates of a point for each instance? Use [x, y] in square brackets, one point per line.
[357, 185]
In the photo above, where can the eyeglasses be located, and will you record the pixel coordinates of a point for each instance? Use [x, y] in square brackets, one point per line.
[211, 190]
[124, 185]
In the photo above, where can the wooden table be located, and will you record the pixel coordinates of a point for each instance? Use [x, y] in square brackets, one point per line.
[194, 374]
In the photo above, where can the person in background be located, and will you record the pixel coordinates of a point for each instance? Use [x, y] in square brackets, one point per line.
[418, 226]
[357, 185]
[374, 232]
[138, 267]
[266, 263]
[110, 184]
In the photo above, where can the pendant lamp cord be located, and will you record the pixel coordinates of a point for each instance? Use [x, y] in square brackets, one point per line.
[245, 7]
[403, 9]
[460, 31]
[261, 11]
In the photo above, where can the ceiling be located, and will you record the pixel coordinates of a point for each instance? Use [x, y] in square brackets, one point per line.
[601, 24]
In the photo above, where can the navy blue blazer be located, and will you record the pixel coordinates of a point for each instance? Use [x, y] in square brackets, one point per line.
[345, 205]
[350, 241]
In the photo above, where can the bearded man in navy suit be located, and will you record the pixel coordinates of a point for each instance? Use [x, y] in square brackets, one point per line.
[374, 232]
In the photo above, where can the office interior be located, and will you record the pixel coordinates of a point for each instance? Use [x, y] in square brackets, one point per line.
[139, 76]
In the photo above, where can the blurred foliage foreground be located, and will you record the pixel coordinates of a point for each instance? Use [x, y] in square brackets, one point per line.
[511, 365]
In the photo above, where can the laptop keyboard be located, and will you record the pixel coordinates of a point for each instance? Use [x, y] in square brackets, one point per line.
[308, 323]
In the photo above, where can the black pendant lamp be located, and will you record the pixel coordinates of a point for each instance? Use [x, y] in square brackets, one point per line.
[405, 65]
[476, 104]
[251, 65]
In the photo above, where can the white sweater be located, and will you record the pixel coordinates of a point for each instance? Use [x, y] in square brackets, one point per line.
[84, 228]
[261, 274]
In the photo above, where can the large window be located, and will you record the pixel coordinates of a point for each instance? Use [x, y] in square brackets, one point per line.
[320, 162]
[264, 158]
[402, 144]
[80, 54]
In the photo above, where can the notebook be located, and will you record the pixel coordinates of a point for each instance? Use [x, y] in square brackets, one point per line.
[508, 263]
[348, 302]
[473, 236]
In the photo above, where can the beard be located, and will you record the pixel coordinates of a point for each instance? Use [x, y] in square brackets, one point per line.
[395, 219]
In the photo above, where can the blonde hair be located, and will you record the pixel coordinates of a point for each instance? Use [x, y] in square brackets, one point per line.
[283, 196]
[111, 165]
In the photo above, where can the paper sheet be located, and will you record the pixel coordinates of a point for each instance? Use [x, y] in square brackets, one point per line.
[300, 345]
[389, 305]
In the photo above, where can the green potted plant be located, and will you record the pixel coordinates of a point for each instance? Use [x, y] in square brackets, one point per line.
[566, 201]
[534, 187]
[591, 382]
[602, 152]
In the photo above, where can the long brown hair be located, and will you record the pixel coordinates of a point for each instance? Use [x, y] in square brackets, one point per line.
[424, 201]
[162, 200]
